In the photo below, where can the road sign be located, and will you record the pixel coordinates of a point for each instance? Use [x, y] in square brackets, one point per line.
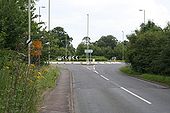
[73, 57]
[28, 41]
[66, 57]
[62, 57]
[77, 57]
[88, 51]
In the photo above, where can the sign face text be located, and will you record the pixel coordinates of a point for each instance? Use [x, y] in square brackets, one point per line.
[88, 51]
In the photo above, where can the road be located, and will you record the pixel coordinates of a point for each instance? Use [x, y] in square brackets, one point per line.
[104, 89]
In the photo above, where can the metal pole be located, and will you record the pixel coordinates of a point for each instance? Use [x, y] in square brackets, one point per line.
[39, 14]
[49, 28]
[123, 52]
[66, 46]
[49, 15]
[87, 39]
[144, 16]
[29, 31]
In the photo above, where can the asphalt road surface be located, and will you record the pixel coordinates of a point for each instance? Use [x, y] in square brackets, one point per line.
[104, 89]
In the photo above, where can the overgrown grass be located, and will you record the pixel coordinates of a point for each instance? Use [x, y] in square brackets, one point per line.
[49, 78]
[165, 80]
[21, 86]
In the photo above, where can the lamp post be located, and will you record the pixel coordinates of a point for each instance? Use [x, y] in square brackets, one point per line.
[123, 47]
[29, 31]
[143, 14]
[87, 39]
[49, 28]
[40, 12]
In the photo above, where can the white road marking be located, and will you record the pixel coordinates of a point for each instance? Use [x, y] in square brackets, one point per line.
[104, 77]
[121, 87]
[96, 72]
[88, 68]
[136, 95]
[94, 67]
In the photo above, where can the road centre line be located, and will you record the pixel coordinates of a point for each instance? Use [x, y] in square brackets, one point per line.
[146, 101]
[136, 95]
[104, 77]
[96, 72]
[94, 67]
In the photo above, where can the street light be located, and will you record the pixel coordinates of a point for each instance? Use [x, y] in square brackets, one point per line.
[48, 15]
[123, 47]
[29, 31]
[40, 12]
[143, 13]
[49, 27]
[87, 39]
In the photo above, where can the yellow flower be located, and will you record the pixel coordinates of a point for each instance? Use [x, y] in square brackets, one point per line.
[38, 77]
[32, 66]
[39, 73]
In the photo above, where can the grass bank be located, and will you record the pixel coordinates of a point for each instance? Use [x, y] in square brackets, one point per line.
[164, 80]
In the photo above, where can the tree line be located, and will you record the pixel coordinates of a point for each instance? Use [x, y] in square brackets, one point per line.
[148, 49]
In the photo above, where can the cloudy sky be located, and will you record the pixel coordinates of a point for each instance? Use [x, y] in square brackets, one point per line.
[107, 17]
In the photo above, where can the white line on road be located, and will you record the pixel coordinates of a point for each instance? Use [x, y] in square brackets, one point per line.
[104, 77]
[88, 68]
[96, 72]
[94, 67]
[136, 95]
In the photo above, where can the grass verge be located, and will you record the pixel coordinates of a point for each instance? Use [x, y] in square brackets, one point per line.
[164, 80]
[48, 82]
[49, 79]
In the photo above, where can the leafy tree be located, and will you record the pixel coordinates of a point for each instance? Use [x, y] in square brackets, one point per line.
[14, 23]
[148, 49]
[60, 43]
[107, 41]
[80, 49]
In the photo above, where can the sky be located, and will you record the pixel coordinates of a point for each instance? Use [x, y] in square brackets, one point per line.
[106, 17]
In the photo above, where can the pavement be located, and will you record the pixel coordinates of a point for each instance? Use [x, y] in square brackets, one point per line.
[59, 100]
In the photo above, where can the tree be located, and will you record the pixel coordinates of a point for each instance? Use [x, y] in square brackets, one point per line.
[80, 49]
[148, 49]
[14, 23]
[60, 43]
[107, 41]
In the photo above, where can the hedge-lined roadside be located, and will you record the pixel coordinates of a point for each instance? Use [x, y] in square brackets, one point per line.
[164, 80]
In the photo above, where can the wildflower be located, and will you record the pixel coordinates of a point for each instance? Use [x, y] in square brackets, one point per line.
[32, 66]
[39, 73]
